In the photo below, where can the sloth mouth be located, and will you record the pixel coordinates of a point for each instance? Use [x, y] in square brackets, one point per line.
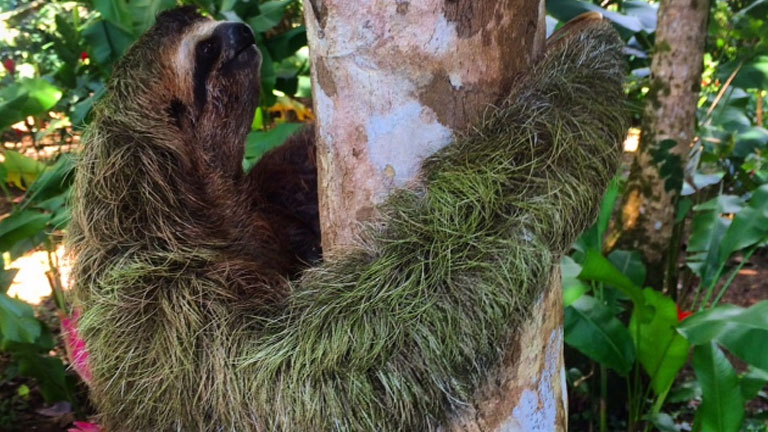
[243, 56]
[243, 49]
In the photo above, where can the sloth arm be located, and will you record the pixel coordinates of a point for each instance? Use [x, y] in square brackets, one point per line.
[403, 328]
[283, 185]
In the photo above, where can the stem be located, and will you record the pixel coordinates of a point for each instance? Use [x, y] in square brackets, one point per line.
[711, 287]
[603, 396]
[733, 274]
[630, 402]
[721, 93]
[76, 18]
[54, 277]
[656, 408]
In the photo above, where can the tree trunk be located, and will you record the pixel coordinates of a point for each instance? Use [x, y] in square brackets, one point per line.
[656, 177]
[392, 83]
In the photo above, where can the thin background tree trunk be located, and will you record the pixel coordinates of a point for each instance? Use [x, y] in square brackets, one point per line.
[649, 207]
[392, 82]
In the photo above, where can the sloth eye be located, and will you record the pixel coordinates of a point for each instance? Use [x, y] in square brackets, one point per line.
[207, 50]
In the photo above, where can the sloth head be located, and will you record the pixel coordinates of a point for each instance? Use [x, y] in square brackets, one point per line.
[189, 81]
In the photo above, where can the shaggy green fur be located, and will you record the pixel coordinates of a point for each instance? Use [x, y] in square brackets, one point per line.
[392, 336]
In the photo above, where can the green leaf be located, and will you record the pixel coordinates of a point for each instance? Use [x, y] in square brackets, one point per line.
[683, 207]
[21, 225]
[143, 12]
[272, 13]
[286, 44]
[593, 237]
[81, 110]
[663, 422]
[744, 332]
[258, 143]
[108, 41]
[17, 321]
[749, 141]
[54, 181]
[707, 231]
[646, 13]
[597, 268]
[116, 12]
[685, 392]
[758, 9]
[50, 373]
[629, 263]
[732, 119]
[749, 226]
[660, 349]
[591, 328]
[565, 10]
[573, 288]
[722, 406]
[26, 97]
[268, 75]
[722, 204]
[753, 75]
[752, 382]
[6, 279]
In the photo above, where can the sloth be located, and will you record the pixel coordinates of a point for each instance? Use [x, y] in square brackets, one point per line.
[206, 305]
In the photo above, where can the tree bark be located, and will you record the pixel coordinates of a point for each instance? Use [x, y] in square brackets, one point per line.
[392, 83]
[655, 180]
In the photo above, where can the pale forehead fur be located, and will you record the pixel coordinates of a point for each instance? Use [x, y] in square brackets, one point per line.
[184, 61]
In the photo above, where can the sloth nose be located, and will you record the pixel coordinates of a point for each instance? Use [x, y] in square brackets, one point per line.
[236, 36]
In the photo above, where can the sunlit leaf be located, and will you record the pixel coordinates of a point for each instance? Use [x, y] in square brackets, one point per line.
[27, 97]
[599, 269]
[21, 171]
[660, 349]
[573, 288]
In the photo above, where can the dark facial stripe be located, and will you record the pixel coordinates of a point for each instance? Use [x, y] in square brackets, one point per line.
[206, 54]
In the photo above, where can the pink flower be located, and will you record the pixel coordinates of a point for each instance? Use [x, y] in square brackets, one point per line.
[76, 349]
[84, 427]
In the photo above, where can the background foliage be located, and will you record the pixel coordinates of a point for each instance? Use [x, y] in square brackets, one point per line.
[638, 358]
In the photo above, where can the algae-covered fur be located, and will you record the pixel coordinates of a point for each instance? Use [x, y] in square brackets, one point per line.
[393, 335]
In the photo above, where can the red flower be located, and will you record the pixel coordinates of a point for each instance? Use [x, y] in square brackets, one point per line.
[10, 66]
[681, 314]
[83, 56]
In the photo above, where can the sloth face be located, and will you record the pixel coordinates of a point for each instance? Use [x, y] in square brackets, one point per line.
[222, 62]
[194, 80]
